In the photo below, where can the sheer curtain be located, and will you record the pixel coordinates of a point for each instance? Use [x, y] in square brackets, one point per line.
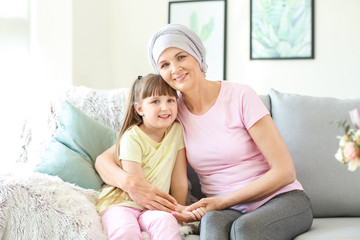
[15, 75]
[37, 59]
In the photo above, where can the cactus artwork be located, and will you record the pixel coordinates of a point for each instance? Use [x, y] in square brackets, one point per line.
[281, 29]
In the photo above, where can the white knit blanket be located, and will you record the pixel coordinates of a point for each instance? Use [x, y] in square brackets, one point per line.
[38, 206]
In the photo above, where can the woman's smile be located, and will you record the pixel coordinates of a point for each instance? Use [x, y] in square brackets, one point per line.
[180, 78]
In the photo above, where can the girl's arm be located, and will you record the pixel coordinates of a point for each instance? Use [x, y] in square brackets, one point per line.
[179, 181]
[281, 173]
[179, 189]
[139, 189]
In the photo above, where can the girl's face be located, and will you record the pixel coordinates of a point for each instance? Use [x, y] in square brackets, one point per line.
[179, 69]
[158, 112]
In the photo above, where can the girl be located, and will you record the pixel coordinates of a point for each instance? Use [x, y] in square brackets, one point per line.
[150, 145]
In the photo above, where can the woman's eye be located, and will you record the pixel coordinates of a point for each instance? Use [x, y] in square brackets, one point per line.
[164, 65]
[181, 57]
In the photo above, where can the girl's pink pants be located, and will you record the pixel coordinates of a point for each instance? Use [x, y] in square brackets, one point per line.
[127, 223]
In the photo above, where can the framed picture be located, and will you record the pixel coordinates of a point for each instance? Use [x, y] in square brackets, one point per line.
[208, 20]
[282, 29]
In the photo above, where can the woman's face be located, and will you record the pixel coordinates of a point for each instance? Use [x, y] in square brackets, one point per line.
[179, 69]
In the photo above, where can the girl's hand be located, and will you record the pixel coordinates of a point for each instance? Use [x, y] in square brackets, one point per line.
[149, 196]
[184, 215]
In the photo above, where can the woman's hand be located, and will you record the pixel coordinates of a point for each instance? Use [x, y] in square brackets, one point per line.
[208, 204]
[139, 189]
[149, 196]
[197, 210]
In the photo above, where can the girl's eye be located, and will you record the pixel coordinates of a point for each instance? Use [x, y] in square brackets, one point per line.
[171, 100]
[155, 101]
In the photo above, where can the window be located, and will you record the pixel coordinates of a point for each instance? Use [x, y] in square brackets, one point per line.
[14, 28]
[14, 68]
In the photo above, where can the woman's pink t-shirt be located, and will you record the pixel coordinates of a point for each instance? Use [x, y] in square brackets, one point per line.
[219, 147]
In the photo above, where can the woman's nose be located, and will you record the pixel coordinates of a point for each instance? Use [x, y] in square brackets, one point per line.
[175, 68]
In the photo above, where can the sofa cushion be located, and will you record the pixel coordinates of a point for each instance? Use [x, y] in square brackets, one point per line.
[305, 124]
[266, 100]
[332, 228]
[72, 152]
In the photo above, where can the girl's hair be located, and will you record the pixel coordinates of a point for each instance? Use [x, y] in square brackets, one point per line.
[142, 87]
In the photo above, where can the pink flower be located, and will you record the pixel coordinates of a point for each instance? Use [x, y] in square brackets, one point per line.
[351, 151]
[355, 117]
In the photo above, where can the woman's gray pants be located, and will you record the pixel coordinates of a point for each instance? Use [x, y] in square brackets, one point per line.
[283, 217]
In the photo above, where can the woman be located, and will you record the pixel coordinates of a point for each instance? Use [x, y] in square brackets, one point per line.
[243, 164]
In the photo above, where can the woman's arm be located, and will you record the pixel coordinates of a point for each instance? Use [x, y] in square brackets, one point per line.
[139, 189]
[109, 169]
[132, 167]
[281, 173]
[179, 181]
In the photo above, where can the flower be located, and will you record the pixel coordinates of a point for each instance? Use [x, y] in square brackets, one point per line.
[349, 145]
[351, 151]
[357, 137]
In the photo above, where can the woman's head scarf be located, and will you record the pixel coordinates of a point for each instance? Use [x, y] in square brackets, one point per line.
[179, 36]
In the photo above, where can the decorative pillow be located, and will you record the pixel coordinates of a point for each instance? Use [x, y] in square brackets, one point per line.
[72, 152]
[305, 124]
[41, 124]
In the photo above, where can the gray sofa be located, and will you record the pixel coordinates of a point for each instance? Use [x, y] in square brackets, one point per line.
[303, 121]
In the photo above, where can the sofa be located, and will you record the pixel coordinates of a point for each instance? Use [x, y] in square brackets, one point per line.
[54, 180]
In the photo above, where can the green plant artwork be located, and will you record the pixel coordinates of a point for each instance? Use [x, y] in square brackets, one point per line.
[281, 29]
[206, 29]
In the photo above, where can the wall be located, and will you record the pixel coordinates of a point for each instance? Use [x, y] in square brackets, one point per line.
[51, 41]
[333, 72]
[136, 21]
[92, 50]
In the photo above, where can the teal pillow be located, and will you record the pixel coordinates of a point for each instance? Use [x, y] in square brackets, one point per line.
[72, 152]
